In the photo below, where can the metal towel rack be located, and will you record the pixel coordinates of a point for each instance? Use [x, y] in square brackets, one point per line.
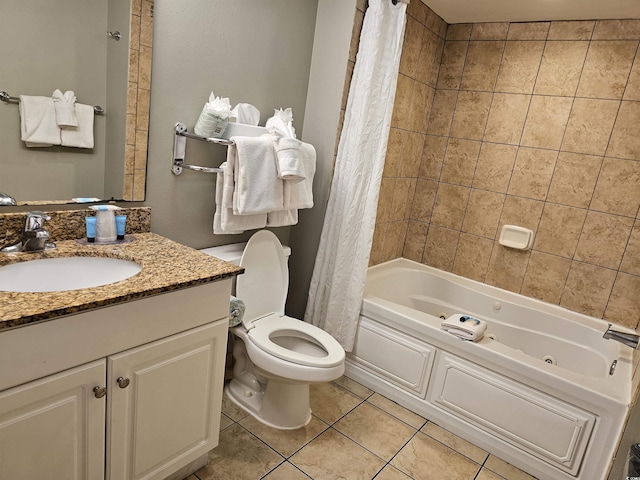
[179, 144]
[6, 98]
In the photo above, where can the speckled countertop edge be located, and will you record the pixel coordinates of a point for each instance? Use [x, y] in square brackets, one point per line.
[166, 266]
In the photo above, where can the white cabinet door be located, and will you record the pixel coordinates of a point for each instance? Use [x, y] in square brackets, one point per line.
[164, 403]
[54, 427]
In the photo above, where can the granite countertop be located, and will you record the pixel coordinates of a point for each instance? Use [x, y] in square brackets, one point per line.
[166, 266]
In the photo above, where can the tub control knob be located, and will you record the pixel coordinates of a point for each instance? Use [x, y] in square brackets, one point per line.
[497, 305]
[123, 382]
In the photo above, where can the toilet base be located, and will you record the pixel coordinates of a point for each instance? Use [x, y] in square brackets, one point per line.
[284, 406]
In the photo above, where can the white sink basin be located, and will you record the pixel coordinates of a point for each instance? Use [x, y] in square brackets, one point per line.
[66, 273]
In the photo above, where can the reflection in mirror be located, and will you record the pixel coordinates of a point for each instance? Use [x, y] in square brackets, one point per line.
[64, 44]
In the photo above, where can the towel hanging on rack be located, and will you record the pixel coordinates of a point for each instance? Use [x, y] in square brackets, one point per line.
[6, 98]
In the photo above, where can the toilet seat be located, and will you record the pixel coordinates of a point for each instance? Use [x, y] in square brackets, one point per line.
[264, 285]
[277, 326]
[263, 288]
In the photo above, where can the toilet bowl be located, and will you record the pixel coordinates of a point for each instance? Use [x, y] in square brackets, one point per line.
[276, 356]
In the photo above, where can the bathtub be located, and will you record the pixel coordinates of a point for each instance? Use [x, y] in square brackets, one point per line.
[542, 390]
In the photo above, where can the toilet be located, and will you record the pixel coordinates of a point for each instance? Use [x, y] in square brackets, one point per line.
[276, 357]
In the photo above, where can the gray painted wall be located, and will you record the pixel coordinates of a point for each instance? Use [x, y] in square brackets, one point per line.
[334, 25]
[254, 51]
[275, 53]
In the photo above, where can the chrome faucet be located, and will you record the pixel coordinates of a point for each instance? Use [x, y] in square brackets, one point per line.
[629, 339]
[7, 199]
[34, 238]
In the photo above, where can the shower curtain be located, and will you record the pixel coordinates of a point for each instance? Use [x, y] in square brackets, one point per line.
[337, 283]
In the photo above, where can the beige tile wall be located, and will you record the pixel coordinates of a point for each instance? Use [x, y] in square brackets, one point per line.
[139, 93]
[417, 79]
[532, 124]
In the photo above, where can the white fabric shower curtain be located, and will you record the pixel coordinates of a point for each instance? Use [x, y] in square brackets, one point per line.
[337, 283]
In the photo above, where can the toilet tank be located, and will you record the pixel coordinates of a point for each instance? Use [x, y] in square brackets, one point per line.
[232, 253]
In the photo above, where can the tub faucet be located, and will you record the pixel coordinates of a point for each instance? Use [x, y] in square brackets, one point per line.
[629, 339]
[34, 238]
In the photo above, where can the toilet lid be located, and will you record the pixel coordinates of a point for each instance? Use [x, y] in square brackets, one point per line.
[271, 329]
[264, 284]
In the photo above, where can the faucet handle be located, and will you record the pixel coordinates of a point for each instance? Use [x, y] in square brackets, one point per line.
[35, 220]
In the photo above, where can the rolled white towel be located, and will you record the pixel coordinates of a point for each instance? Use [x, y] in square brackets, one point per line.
[465, 327]
[65, 108]
[290, 165]
[300, 194]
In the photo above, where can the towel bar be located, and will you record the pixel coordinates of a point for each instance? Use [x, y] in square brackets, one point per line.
[6, 98]
[179, 144]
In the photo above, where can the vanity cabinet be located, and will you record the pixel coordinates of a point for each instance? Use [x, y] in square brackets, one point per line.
[160, 361]
[54, 427]
[163, 403]
[161, 406]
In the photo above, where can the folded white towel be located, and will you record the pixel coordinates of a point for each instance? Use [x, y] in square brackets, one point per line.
[300, 194]
[282, 218]
[257, 186]
[82, 135]
[64, 104]
[38, 126]
[290, 165]
[217, 217]
[465, 327]
[224, 220]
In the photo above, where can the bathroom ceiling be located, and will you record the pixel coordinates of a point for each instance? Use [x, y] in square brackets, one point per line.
[472, 11]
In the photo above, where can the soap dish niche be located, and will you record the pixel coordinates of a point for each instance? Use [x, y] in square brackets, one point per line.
[513, 236]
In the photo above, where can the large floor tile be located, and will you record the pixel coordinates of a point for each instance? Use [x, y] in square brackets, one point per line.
[427, 459]
[285, 442]
[392, 473]
[231, 410]
[354, 387]
[225, 422]
[398, 411]
[332, 456]
[239, 456]
[506, 470]
[286, 471]
[375, 430]
[329, 402]
[453, 441]
[488, 475]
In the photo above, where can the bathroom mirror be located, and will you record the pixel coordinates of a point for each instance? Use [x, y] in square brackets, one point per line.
[73, 45]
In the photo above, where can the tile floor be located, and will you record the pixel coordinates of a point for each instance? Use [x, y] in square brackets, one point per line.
[354, 434]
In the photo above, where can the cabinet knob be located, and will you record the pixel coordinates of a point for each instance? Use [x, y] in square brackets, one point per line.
[123, 382]
[99, 392]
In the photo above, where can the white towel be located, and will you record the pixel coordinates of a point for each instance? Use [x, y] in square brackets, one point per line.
[290, 165]
[224, 220]
[300, 194]
[257, 186]
[465, 327]
[282, 218]
[64, 104]
[82, 135]
[38, 126]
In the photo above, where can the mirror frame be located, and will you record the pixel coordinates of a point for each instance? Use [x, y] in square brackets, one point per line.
[138, 99]
[137, 107]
